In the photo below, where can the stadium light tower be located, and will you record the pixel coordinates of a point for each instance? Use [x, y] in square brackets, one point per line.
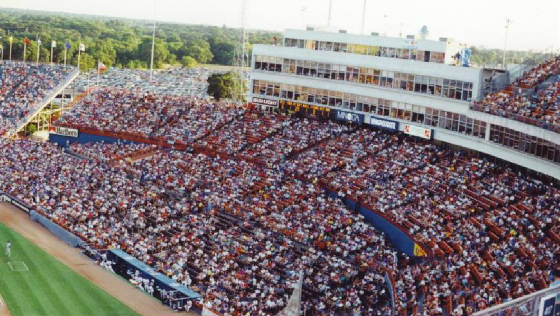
[385, 21]
[330, 13]
[364, 17]
[241, 57]
[303, 10]
[508, 23]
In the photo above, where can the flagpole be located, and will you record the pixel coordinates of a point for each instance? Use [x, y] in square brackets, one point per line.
[79, 51]
[65, 50]
[97, 83]
[38, 50]
[11, 40]
[51, 52]
[153, 46]
[24, 49]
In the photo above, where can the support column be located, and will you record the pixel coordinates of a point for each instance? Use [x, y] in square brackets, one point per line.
[487, 134]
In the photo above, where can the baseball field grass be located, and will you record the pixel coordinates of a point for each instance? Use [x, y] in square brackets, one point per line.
[33, 283]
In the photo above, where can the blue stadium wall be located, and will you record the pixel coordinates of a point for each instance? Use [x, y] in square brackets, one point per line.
[400, 240]
[84, 138]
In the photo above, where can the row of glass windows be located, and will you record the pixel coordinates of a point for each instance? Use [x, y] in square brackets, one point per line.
[403, 53]
[525, 143]
[413, 113]
[382, 107]
[447, 88]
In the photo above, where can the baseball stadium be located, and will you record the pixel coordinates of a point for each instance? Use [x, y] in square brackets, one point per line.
[320, 171]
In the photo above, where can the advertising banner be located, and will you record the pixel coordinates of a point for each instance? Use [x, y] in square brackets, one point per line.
[65, 131]
[417, 131]
[349, 117]
[267, 102]
[383, 123]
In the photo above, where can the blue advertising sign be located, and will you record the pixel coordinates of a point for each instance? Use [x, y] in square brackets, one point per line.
[349, 117]
[383, 123]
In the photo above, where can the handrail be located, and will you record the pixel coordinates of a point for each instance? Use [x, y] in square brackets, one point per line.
[521, 299]
[516, 117]
[54, 92]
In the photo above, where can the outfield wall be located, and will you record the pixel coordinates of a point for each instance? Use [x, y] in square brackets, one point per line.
[57, 230]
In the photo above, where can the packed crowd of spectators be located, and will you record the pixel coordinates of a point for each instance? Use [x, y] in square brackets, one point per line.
[533, 98]
[173, 81]
[477, 219]
[22, 88]
[259, 200]
[249, 129]
[176, 118]
[302, 134]
[107, 152]
[539, 73]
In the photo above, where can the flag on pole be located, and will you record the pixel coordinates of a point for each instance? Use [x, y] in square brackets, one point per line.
[53, 44]
[68, 45]
[101, 66]
[11, 39]
[82, 47]
[39, 42]
[26, 41]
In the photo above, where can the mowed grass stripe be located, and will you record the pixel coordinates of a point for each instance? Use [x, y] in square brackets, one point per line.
[14, 287]
[49, 287]
[44, 279]
[47, 276]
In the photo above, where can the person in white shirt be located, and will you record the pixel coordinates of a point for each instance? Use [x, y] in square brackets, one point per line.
[8, 249]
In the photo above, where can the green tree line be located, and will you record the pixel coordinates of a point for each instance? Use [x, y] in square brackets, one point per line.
[119, 42]
[483, 56]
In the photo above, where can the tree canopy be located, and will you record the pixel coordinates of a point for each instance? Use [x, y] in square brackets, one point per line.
[120, 42]
[226, 86]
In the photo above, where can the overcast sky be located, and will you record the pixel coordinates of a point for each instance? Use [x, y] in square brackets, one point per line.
[479, 22]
